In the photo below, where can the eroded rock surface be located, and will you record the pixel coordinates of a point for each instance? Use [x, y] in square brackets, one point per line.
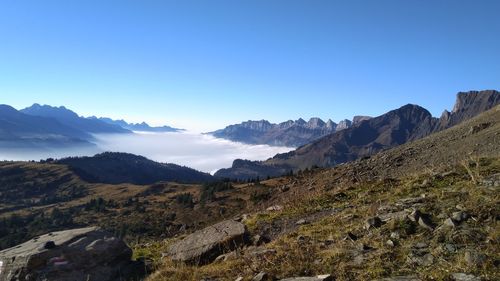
[205, 245]
[86, 254]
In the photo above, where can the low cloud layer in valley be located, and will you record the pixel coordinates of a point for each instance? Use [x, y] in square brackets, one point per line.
[202, 152]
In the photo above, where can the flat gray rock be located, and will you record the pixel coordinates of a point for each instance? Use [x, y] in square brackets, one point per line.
[465, 277]
[85, 254]
[205, 245]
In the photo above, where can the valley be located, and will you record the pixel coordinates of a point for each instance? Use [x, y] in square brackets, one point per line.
[356, 221]
[232, 140]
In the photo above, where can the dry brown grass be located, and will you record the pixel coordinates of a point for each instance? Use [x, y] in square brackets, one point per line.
[342, 258]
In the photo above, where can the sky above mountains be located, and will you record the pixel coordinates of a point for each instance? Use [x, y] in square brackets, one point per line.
[203, 65]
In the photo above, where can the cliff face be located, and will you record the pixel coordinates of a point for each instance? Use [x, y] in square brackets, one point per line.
[470, 104]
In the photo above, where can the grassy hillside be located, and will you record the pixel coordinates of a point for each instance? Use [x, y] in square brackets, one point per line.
[355, 221]
[37, 198]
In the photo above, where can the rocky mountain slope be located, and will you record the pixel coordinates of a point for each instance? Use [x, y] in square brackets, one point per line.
[394, 128]
[114, 167]
[290, 133]
[425, 210]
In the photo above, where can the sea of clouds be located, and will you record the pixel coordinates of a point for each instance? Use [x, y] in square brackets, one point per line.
[202, 152]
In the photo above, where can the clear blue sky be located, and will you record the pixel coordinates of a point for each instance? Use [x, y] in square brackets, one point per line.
[205, 64]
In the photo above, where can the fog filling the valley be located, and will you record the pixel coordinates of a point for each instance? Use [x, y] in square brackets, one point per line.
[202, 152]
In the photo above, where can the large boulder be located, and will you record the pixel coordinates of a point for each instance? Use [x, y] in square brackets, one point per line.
[85, 254]
[205, 245]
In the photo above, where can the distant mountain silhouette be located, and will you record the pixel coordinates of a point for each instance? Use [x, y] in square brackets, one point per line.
[71, 119]
[408, 123]
[289, 133]
[22, 130]
[142, 127]
[113, 168]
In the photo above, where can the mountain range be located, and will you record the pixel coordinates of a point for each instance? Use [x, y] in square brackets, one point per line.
[20, 130]
[423, 210]
[408, 123]
[140, 127]
[289, 133]
[44, 126]
[71, 119]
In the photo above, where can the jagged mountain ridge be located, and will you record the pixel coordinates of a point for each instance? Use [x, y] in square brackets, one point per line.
[289, 133]
[408, 123]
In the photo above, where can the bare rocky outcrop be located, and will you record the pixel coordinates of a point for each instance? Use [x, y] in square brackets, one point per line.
[468, 105]
[85, 254]
[206, 245]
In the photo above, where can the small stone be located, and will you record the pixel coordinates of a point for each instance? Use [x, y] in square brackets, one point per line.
[442, 216]
[414, 216]
[364, 247]
[465, 277]
[258, 240]
[374, 222]
[449, 222]
[275, 208]
[220, 258]
[395, 235]
[259, 252]
[450, 248]
[428, 260]
[284, 188]
[425, 223]
[425, 260]
[239, 279]
[324, 277]
[262, 276]
[474, 259]
[301, 222]
[421, 245]
[460, 216]
[390, 243]
[351, 236]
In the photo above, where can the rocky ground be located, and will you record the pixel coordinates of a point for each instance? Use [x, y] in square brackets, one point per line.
[427, 210]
